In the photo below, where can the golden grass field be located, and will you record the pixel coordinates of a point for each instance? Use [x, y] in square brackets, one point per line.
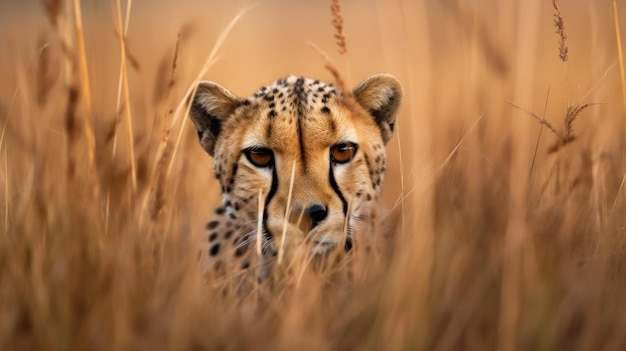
[509, 236]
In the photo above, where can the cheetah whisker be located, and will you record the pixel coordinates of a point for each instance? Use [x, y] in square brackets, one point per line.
[267, 244]
[249, 239]
[346, 229]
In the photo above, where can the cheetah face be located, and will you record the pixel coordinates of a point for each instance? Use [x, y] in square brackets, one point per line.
[315, 154]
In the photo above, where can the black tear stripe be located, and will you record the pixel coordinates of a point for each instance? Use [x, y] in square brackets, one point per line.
[301, 142]
[348, 244]
[333, 184]
[266, 232]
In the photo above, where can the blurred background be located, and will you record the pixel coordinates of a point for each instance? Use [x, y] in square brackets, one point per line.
[458, 62]
[511, 236]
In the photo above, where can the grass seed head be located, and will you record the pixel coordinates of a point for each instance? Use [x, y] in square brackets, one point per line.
[560, 30]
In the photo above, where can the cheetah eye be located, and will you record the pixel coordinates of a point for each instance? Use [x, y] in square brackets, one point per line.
[343, 152]
[259, 156]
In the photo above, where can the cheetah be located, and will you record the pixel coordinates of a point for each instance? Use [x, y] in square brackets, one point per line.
[300, 160]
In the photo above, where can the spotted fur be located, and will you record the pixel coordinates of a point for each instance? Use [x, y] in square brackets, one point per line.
[301, 123]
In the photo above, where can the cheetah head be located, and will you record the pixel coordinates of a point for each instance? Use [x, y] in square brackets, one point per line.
[315, 154]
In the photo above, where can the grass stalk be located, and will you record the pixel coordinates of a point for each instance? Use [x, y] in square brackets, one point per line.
[532, 164]
[84, 82]
[208, 63]
[620, 55]
[259, 228]
[166, 153]
[6, 191]
[283, 238]
[622, 75]
[122, 32]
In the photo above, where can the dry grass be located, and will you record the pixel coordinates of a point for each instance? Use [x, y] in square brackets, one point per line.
[97, 249]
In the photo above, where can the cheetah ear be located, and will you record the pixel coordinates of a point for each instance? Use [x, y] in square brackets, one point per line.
[211, 106]
[380, 95]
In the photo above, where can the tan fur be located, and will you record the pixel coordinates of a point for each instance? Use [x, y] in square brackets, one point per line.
[291, 117]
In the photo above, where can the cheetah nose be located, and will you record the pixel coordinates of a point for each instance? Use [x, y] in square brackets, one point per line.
[317, 213]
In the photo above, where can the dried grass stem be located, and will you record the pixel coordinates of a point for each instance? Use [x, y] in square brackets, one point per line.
[560, 30]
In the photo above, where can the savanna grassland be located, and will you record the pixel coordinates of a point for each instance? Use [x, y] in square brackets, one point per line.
[505, 182]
